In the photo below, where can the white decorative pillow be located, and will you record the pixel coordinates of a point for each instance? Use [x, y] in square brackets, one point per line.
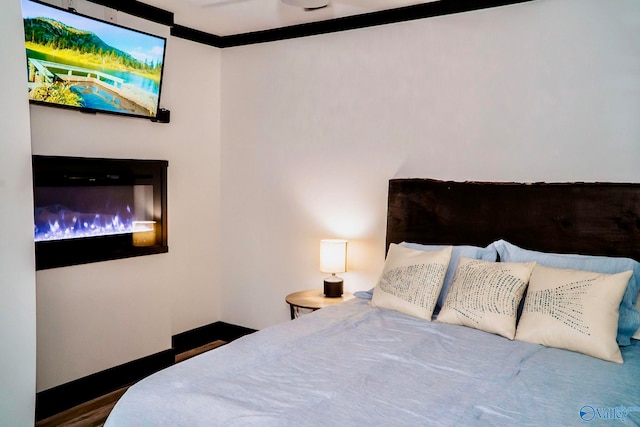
[411, 280]
[485, 295]
[574, 310]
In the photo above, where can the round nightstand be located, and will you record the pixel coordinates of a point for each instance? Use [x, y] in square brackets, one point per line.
[312, 299]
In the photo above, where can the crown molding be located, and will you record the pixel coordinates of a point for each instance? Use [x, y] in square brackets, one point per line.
[401, 14]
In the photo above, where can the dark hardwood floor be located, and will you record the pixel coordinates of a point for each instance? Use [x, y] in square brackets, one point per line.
[95, 412]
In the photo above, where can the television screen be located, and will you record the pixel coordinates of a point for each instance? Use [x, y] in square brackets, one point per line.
[75, 61]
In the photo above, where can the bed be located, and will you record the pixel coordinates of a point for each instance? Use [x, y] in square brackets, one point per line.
[458, 359]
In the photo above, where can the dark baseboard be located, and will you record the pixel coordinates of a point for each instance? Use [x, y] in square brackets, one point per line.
[57, 399]
[205, 334]
[60, 398]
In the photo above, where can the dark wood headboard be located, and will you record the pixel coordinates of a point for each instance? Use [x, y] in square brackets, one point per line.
[584, 218]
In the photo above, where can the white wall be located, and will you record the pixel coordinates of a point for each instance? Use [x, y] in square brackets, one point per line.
[311, 131]
[17, 277]
[95, 316]
[313, 128]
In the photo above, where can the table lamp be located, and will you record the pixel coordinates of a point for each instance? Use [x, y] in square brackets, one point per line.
[333, 259]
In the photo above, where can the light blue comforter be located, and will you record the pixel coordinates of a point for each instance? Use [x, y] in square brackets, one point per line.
[352, 364]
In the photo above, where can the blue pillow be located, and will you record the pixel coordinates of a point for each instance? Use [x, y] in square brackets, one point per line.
[486, 254]
[629, 319]
[364, 294]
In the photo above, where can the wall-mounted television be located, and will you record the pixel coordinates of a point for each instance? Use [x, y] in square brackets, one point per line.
[79, 62]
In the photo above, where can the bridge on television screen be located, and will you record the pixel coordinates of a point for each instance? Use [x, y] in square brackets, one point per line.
[72, 73]
[47, 72]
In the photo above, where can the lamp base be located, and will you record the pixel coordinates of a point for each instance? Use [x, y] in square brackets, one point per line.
[333, 287]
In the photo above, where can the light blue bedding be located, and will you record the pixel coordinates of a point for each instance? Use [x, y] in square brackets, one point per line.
[352, 364]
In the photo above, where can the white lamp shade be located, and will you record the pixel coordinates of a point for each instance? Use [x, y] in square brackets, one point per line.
[333, 256]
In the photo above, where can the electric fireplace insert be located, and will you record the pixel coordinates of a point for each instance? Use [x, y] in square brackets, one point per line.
[90, 210]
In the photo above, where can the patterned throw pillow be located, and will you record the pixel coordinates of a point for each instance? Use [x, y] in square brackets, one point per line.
[411, 280]
[629, 320]
[575, 310]
[485, 295]
[488, 254]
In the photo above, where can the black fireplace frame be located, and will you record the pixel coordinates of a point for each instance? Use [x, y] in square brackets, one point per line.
[57, 171]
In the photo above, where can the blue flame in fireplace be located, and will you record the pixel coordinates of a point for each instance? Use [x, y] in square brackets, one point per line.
[57, 222]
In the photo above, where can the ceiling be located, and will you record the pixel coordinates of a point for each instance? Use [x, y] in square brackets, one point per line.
[228, 23]
[232, 17]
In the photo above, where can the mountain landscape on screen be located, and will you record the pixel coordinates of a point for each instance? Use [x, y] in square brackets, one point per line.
[78, 62]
